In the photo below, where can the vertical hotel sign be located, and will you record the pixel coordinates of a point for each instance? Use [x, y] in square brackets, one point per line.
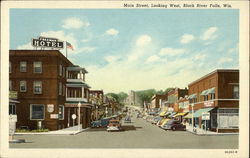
[47, 42]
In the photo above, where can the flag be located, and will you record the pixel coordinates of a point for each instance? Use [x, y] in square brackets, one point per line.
[68, 45]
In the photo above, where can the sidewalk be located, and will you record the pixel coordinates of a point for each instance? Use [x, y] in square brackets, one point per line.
[202, 132]
[66, 131]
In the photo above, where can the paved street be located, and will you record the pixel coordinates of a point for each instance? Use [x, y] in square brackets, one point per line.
[138, 134]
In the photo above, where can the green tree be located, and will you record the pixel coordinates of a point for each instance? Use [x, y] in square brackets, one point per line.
[168, 89]
[122, 96]
[146, 95]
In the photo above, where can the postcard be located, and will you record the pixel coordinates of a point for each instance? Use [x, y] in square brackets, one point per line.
[125, 79]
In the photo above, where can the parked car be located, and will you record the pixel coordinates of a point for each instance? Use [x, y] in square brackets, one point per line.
[156, 119]
[100, 123]
[114, 125]
[160, 122]
[127, 119]
[150, 118]
[165, 122]
[174, 125]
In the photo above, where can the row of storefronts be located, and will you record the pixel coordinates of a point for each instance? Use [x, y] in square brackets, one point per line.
[211, 103]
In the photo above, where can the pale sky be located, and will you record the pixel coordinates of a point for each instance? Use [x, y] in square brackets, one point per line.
[136, 49]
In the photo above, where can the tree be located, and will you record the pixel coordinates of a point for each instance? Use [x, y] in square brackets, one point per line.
[146, 95]
[168, 90]
[160, 92]
[113, 95]
[122, 96]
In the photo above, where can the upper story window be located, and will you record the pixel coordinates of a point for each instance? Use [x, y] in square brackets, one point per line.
[37, 67]
[37, 87]
[10, 67]
[212, 96]
[23, 66]
[205, 97]
[12, 109]
[63, 71]
[60, 70]
[60, 88]
[23, 87]
[236, 92]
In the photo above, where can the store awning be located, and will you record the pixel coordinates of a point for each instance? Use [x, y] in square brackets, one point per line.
[13, 101]
[211, 90]
[199, 112]
[163, 113]
[180, 114]
[205, 92]
[192, 96]
[188, 115]
[172, 115]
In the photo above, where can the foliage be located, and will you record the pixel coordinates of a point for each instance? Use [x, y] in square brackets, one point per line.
[168, 89]
[146, 95]
[122, 96]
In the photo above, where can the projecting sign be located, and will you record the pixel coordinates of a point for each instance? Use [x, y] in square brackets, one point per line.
[50, 107]
[205, 116]
[54, 116]
[47, 42]
[73, 116]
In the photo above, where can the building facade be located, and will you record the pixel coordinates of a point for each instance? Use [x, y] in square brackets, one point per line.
[217, 96]
[157, 101]
[173, 97]
[43, 79]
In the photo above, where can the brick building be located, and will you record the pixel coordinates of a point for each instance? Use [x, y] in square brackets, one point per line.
[173, 97]
[157, 101]
[217, 93]
[48, 86]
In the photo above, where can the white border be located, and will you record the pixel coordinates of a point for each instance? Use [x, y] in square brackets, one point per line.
[243, 151]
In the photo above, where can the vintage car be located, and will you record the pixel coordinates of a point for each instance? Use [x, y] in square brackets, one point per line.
[156, 119]
[114, 125]
[100, 123]
[174, 125]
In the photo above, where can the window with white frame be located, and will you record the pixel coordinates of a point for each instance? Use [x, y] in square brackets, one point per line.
[212, 96]
[63, 71]
[12, 109]
[60, 70]
[37, 67]
[236, 92]
[23, 87]
[61, 112]
[23, 66]
[37, 87]
[37, 112]
[60, 88]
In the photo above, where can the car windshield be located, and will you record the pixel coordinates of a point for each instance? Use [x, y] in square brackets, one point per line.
[171, 121]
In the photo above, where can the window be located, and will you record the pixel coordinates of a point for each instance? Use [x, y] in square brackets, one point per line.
[37, 112]
[37, 67]
[205, 97]
[60, 70]
[63, 71]
[10, 67]
[37, 87]
[236, 92]
[212, 96]
[23, 66]
[64, 90]
[60, 88]
[12, 109]
[61, 112]
[23, 87]
[10, 85]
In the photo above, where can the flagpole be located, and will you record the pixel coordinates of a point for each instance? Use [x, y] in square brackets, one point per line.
[66, 49]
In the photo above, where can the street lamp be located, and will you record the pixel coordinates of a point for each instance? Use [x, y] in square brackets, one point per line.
[79, 110]
[106, 111]
[192, 105]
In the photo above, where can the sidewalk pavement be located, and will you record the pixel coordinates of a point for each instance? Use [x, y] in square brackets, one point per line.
[202, 132]
[66, 131]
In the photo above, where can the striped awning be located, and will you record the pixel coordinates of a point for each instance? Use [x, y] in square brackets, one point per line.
[192, 96]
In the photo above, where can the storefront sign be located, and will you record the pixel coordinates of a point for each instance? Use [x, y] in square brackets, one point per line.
[13, 94]
[50, 108]
[205, 116]
[208, 103]
[47, 42]
[54, 116]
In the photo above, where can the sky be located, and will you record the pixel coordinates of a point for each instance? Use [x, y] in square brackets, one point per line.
[136, 49]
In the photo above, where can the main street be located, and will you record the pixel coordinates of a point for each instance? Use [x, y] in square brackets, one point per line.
[138, 134]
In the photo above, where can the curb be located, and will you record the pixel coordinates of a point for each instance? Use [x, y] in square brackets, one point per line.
[215, 134]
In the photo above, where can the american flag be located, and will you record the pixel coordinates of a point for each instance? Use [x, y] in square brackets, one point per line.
[68, 45]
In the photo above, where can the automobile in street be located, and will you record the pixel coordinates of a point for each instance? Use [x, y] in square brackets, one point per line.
[127, 119]
[174, 125]
[100, 123]
[160, 122]
[156, 119]
[114, 125]
[164, 122]
[150, 118]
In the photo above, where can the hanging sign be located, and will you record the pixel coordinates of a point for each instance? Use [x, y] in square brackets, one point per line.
[50, 107]
[205, 116]
[47, 42]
